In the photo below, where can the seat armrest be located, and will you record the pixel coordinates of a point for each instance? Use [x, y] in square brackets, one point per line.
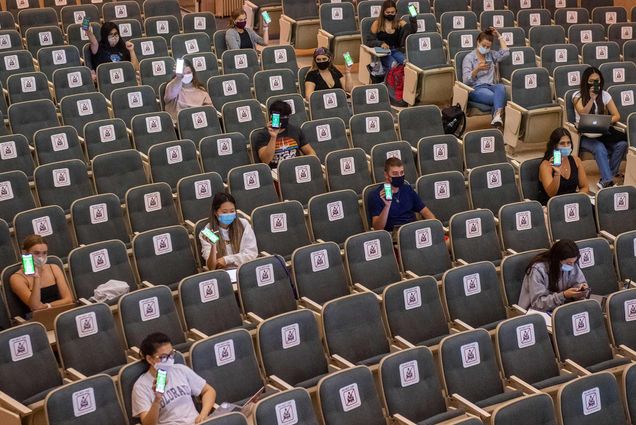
[607, 235]
[518, 308]
[146, 284]
[519, 384]
[402, 343]
[462, 325]
[84, 301]
[311, 305]
[254, 318]
[136, 351]
[341, 361]
[288, 19]
[510, 251]
[196, 334]
[244, 215]
[462, 262]
[458, 401]
[14, 405]
[279, 383]
[401, 420]
[361, 288]
[410, 275]
[74, 374]
[190, 225]
[572, 366]
[625, 351]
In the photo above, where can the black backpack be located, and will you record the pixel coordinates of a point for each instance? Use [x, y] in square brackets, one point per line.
[454, 120]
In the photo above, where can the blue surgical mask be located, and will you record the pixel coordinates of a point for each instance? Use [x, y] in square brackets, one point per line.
[227, 219]
[565, 151]
[397, 181]
[567, 267]
[483, 50]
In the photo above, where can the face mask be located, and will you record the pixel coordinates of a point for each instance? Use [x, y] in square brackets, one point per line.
[389, 17]
[164, 365]
[240, 25]
[39, 261]
[187, 78]
[113, 40]
[323, 65]
[397, 181]
[283, 122]
[565, 151]
[483, 50]
[567, 267]
[227, 219]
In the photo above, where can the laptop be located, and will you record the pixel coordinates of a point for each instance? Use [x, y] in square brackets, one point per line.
[590, 123]
[245, 409]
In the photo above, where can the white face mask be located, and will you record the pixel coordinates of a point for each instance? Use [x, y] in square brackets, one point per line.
[187, 78]
[39, 261]
[113, 40]
[164, 365]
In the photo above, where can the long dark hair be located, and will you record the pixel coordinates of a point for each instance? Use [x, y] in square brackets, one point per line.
[559, 251]
[322, 51]
[105, 31]
[555, 138]
[387, 4]
[235, 229]
[585, 89]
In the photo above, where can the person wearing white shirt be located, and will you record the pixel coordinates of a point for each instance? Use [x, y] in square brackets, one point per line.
[173, 405]
[237, 242]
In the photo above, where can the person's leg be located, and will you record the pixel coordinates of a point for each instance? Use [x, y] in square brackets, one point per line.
[616, 154]
[600, 155]
[499, 97]
[482, 94]
[398, 56]
[387, 62]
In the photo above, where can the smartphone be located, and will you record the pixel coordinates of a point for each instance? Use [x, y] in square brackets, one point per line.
[86, 23]
[347, 58]
[275, 120]
[160, 386]
[556, 158]
[412, 11]
[179, 67]
[388, 192]
[210, 235]
[266, 17]
[597, 86]
[27, 264]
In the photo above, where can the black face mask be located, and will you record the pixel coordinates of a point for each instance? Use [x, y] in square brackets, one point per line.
[284, 121]
[323, 65]
[397, 181]
[389, 17]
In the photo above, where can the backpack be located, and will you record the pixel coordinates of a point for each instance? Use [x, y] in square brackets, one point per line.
[454, 120]
[395, 83]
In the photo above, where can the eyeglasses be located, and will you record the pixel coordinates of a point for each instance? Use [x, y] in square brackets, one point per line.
[165, 357]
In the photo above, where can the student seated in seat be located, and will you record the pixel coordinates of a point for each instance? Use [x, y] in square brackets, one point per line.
[324, 75]
[237, 242]
[185, 91]
[111, 47]
[238, 36]
[273, 144]
[553, 278]
[404, 202]
[569, 176]
[174, 405]
[46, 287]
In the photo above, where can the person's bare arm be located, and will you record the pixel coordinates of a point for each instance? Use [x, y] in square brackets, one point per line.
[92, 40]
[613, 110]
[151, 417]
[66, 297]
[211, 261]
[583, 183]
[309, 89]
[208, 397]
[550, 183]
[308, 150]
[30, 297]
[379, 221]
[266, 153]
[427, 213]
[133, 56]
[584, 109]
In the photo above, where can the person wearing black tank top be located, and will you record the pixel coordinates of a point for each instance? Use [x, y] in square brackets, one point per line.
[46, 288]
[389, 32]
[569, 177]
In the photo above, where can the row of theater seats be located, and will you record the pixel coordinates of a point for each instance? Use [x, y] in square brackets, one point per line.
[355, 338]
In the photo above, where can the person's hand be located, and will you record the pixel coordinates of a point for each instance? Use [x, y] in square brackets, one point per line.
[348, 68]
[129, 46]
[199, 419]
[273, 132]
[575, 293]
[387, 202]
[495, 32]
[593, 94]
[555, 168]
[483, 66]
[384, 46]
[220, 263]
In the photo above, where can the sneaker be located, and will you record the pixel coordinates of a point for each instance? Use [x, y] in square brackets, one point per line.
[602, 185]
[497, 121]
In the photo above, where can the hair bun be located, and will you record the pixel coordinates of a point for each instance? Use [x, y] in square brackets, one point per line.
[489, 31]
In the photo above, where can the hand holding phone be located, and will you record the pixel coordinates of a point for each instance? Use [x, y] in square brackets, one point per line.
[86, 23]
[596, 87]
[28, 266]
[266, 17]
[388, 192]
[212, 236]
[178, 69]
[556, 158]
[412, 11]
[160, 384]
[275, 120]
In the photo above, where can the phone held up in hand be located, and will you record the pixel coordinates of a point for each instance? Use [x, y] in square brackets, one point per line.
[348, 59]
[179, 67]
[212, 236]
[556, 158]
[160, 386]
[28, 266]
[388, 192]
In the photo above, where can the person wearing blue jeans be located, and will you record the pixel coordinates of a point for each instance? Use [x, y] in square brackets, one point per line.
[609, 148]
[478, 72]
[390, 33]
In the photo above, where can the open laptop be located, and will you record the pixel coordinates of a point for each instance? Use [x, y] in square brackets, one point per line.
[246, 409]
[590, 123]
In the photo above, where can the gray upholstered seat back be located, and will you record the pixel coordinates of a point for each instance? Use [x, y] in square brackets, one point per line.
[295, 402]
[592, 399]
[116, 172]
[319, 272]
[371, 260]
[474, 236]
[571, 216]
[150, 206]
[280, 228]
[523, 226]
[252, 186]
[369, 129]
[222, 152]
[423, 248]
[437, 154]
[597, 264]
[325, 135]
[61, 183]
[335, 216]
